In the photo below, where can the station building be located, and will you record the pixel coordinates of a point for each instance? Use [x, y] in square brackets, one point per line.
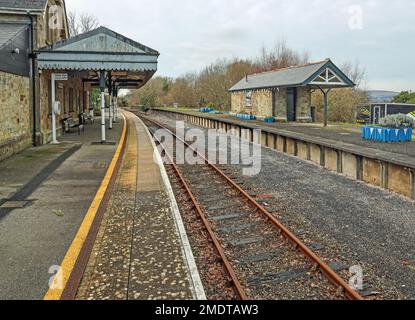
[34, 44]
[285, 94]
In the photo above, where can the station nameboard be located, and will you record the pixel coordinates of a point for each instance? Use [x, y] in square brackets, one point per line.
[61, 76]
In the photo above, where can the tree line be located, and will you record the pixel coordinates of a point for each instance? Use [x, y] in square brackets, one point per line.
[210, 86]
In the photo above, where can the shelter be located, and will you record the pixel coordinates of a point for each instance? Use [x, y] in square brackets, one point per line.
[101, 58]
[285, 94]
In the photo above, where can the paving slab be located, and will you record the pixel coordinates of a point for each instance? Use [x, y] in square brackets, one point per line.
[60, 181]
[137, 254]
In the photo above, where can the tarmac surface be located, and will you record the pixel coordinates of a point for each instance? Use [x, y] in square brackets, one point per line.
[44, 195]
[337, 133]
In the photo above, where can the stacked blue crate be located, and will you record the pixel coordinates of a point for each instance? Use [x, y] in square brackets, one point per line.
[269, 120]
[206, 110]
[387, 134]
[246, 117]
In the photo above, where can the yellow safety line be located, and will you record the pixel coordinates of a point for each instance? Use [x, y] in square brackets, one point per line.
[74, 250]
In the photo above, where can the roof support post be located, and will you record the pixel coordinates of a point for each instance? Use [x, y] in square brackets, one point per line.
[115, 104]
[111, 93]
[102, 87]
[326, 105]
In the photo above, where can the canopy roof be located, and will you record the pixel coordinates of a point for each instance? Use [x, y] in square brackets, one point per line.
[323, 74]
[23, 6]
[102, 49]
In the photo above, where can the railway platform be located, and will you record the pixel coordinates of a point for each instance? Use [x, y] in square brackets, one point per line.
[139, 249]
[340, 149]
[44, 195]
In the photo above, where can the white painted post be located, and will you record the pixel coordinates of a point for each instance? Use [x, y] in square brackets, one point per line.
[111, 109]
[102, 87]
[116, 108]
[54, 140]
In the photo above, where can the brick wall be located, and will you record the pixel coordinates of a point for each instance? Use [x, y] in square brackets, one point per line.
[15, 128]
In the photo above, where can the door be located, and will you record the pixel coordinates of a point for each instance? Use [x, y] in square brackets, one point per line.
[291, 104]
[376, 115]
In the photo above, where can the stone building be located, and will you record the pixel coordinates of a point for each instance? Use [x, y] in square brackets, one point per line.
[285, 94]
[25, 26]
[34, 44]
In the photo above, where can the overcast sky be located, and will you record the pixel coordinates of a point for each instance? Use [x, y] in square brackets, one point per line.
[192, 33]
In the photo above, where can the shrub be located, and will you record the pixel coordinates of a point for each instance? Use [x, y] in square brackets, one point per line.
[398, 121]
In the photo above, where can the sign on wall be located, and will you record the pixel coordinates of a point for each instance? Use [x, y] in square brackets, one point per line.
[61, 77]
[248, 99]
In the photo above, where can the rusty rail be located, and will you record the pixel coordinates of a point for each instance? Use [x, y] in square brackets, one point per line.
[331, 275]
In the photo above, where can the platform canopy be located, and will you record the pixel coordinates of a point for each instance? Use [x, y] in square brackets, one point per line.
[323, 74]
[101, 58]
[129, 63]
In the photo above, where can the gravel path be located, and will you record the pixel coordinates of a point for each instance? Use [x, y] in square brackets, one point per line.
[367, 225]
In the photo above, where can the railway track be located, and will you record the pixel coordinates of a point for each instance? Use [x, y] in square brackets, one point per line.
[262, 258]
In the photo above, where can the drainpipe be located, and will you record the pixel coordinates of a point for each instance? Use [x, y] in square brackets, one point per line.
[32, 57]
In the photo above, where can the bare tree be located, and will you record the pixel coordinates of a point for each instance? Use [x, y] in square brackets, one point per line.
[278, 57]
[81, 23]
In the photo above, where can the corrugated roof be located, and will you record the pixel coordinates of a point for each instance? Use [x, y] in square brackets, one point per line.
[23, 5]
[292, 76]
[8, 31]
[100, 49]
[112, 41]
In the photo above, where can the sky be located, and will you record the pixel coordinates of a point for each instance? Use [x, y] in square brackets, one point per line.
[189, 34]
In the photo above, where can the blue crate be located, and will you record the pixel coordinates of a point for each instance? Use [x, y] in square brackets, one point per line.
[380, 134]
[246, 117]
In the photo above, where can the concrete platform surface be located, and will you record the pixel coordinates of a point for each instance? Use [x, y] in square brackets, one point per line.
[138, 254]
[57, 184]
[337, 133]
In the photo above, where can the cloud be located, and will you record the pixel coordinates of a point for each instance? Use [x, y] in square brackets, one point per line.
[192, 33]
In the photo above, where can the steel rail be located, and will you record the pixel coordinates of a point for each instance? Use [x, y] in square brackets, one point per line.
[319, 264]
[229, 269]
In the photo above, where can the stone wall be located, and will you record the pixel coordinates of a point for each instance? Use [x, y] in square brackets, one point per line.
[73, 86]
[261, 103]
[303, 104]
[238, 102]
[46, 34]
[15, 127]
[281, 105]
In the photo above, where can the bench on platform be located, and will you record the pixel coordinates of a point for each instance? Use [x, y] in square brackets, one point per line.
[72, 124]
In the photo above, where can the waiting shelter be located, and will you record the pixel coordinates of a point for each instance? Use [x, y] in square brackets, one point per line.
[99, 58]
[285, 94]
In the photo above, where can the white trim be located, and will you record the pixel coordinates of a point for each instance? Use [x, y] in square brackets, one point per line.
[327, 79]
[198, 291]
